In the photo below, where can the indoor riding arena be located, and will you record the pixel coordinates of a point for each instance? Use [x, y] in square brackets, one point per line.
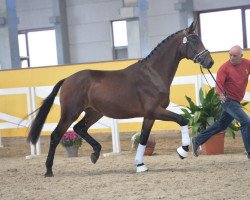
[44, 42]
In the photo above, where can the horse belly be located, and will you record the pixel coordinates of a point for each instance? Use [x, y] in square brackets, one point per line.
[117, 105]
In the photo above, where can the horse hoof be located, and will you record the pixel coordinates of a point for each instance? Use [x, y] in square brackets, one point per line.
[94, 158]
[141, 168]
[182, 153]
[48, 174]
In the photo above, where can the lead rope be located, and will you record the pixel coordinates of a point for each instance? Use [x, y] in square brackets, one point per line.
[223, 92]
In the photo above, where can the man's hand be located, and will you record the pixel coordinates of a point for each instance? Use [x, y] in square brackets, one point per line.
[222, 98]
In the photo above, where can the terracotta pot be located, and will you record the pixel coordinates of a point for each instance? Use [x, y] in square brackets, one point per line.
[214, 145]
[149, 151]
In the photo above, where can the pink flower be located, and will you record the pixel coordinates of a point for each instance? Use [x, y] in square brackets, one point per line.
[71, 138]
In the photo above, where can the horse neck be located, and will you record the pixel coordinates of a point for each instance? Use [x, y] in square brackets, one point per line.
[165, 61]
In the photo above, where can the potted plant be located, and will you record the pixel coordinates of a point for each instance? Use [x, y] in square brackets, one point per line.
[201, 116]
[71, 141]
[150, 146]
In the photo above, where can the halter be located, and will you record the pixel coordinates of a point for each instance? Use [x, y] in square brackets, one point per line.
[198, 56]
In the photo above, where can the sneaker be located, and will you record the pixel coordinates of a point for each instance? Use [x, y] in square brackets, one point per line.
[195, 148]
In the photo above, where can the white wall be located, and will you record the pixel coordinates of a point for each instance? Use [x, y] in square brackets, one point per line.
[163, 20]
[214, 4]
[89, 22]
[90, 34]
[34, 14]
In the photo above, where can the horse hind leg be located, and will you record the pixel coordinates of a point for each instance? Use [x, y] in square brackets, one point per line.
[82, 127]
[55, 138]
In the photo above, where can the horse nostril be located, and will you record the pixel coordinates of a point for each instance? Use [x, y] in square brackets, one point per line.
[211, 63]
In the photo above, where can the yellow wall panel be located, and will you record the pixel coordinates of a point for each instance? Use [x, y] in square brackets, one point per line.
[177, 94]
[44, 76]
[15, 105]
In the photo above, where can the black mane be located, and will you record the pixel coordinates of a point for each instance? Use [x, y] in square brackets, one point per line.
[156, 48]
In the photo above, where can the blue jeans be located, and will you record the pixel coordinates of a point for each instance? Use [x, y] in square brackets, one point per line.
[231, 110]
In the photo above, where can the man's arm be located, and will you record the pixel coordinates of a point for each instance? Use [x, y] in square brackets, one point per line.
[220, 79]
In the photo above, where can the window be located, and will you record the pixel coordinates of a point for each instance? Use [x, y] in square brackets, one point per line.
[120, 33]
[37, 48]
[120, 40]
[248, 27]
[221, 29]
[23, 51]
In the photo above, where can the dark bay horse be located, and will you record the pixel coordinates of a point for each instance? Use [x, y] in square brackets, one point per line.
[140, 90]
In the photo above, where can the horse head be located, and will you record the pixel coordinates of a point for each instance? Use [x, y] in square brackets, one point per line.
[192, 47]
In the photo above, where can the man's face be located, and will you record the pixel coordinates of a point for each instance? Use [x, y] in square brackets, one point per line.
[235, 56]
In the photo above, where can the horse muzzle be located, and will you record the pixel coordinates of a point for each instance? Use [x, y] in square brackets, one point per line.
[204, 58]
[207, 64]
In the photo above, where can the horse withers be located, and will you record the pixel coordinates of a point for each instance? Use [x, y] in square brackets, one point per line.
[140, 90]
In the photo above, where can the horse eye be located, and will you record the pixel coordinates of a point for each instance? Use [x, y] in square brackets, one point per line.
[195, 42]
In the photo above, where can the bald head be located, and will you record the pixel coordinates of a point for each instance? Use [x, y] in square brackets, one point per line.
[235, 54]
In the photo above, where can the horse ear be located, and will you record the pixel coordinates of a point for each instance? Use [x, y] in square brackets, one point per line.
[192, 27]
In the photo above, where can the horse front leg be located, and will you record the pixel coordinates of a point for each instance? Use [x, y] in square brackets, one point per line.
[145, 131]
[166, 115]
[184, 149]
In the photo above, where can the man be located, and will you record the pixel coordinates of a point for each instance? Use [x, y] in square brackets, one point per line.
[232, 79]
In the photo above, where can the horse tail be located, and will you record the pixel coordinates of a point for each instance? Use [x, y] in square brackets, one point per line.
[42, 114]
